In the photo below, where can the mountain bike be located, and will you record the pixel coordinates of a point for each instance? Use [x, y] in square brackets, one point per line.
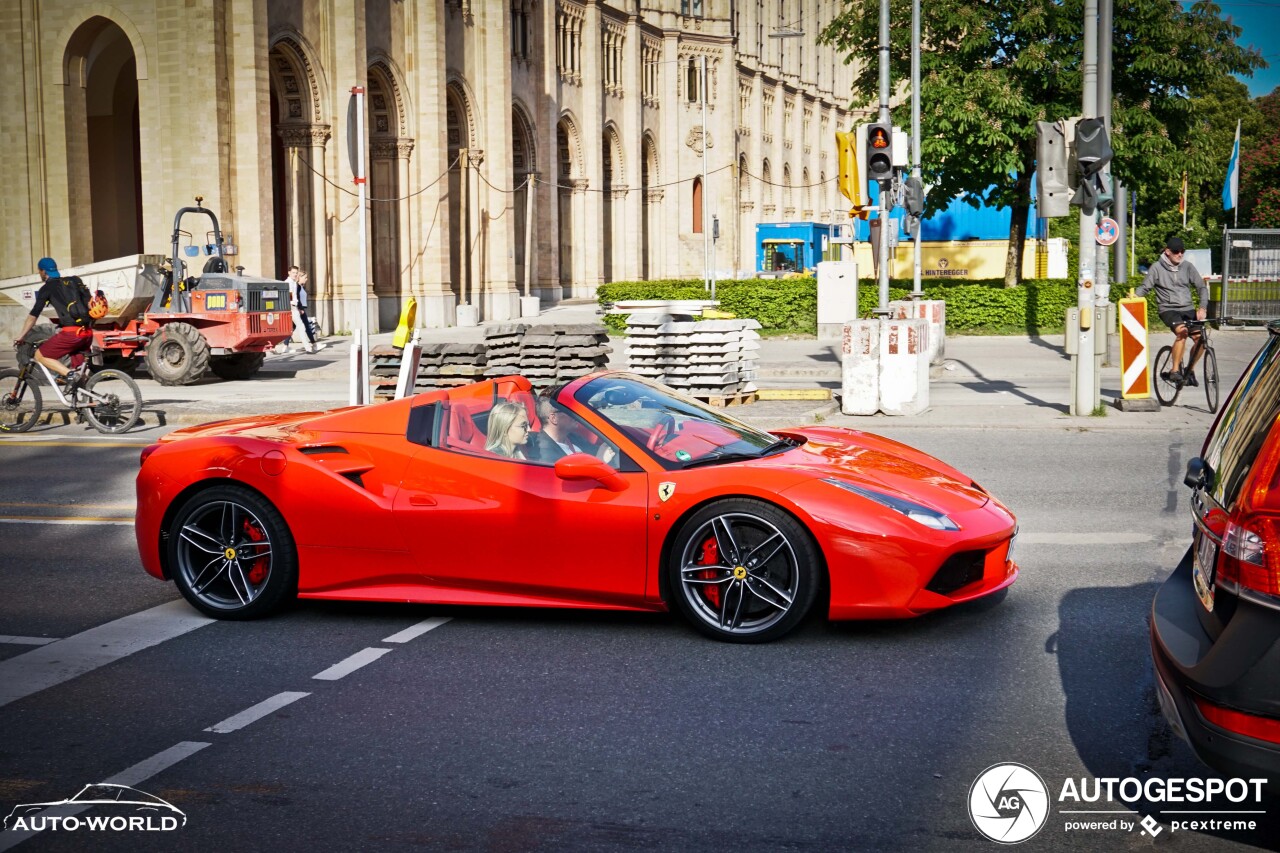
[1169, 383]
[108, 399]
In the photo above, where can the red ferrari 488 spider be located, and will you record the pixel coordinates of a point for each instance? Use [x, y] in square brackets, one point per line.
[610, 492]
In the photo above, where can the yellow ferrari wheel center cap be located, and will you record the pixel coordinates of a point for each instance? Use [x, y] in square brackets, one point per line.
[230, 553]
[739, 572]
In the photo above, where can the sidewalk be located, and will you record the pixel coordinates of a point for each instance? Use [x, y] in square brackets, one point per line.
[1022, 382]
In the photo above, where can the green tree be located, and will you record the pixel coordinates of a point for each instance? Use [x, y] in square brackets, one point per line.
[1260, 165]
[991, 70]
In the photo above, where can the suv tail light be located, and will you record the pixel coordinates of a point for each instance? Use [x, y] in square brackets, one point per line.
[1249, 725]
[1251, 554]
[1251, 544]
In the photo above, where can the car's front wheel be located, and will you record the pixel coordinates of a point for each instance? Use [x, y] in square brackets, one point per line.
[231, 553]
[743, 571]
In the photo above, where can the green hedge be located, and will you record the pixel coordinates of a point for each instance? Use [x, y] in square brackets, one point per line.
[982, 306]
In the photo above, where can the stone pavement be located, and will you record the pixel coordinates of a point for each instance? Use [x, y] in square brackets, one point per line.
[1008, 381]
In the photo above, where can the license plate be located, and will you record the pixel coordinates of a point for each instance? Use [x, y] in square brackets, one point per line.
[270, 294]
[1202, 570]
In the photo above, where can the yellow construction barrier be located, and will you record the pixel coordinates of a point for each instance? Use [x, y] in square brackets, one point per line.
[408, 320]
[1135, 363]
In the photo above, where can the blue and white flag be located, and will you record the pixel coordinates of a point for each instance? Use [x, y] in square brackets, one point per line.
[1231, 187]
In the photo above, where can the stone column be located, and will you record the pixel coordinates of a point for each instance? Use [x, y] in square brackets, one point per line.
[497, 298]
[589, 265]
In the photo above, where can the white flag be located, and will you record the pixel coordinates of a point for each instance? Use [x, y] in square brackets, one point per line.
[1231, 187]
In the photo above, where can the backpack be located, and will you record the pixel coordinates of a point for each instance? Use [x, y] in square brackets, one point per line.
[77, 307]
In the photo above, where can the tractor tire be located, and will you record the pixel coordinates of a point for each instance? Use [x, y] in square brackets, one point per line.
[242, 365]
[178, 354]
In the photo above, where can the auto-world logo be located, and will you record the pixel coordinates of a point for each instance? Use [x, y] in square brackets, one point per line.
[116, 808]
[1008, 803]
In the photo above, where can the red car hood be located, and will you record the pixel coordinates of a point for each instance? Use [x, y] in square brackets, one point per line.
[882, 465]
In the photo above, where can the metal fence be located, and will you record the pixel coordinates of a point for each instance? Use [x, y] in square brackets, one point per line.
[1251, 274]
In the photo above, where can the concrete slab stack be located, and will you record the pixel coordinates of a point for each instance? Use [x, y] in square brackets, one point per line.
[547, 354]
[712, 360]
[441, 366]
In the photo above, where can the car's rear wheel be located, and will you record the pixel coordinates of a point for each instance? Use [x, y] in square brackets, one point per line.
[231, 553]
[743, 571]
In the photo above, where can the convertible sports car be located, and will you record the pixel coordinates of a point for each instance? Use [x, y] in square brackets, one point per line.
[610, 492]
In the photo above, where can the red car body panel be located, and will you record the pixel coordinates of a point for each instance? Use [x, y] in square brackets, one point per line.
[378, 517]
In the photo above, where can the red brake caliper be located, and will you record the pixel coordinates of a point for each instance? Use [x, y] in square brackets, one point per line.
[710, 557]
[258, 569]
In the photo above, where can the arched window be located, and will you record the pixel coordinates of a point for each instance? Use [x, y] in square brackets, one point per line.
[697, 205]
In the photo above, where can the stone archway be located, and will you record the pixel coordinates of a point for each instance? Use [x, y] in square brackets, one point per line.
[652, 194]
[570, 187]
[523, 166]
[460, 136]
[611, 207]
[104, 158]
[297, 166]
[389, 152]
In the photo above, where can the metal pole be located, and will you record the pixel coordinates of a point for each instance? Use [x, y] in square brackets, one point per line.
[528, 234]
[364, 248]
[916, 289]
[885, 201]
[706, 220]
[1085, 399]
[1102, 289]
[1122, 239]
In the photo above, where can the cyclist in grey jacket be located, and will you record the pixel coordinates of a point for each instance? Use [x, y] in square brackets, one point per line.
[1172, 279]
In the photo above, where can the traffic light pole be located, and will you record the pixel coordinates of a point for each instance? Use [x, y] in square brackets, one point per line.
[886, 202]
[1086, 400]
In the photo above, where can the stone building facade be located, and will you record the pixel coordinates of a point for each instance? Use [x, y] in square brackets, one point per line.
[548, 144]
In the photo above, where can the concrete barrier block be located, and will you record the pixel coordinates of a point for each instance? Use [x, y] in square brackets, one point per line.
[860, 368]
[932, 311]
[904, 367]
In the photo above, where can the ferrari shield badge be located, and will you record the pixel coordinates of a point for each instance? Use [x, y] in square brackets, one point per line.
[665, 491]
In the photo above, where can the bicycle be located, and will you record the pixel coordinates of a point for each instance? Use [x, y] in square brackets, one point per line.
[109, 400]
[1168, 388]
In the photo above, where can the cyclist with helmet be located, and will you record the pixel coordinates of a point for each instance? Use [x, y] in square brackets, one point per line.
[70, 300]
[1172, 278]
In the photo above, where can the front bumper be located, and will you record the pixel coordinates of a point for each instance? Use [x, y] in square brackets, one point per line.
[1240, 670]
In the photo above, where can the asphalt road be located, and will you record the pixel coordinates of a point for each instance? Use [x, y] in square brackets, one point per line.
[544, 730]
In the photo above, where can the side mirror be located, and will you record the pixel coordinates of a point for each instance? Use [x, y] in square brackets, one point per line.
[1197, 473]
[584, 466]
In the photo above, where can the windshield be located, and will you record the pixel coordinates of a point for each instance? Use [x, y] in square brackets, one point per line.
[675, 430]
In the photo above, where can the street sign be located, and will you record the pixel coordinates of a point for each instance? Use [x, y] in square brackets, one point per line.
[1108, 231]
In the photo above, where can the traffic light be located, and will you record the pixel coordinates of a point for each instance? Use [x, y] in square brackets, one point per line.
[1051, 169]
[1092, 153]
[879, 152]
[913, 196]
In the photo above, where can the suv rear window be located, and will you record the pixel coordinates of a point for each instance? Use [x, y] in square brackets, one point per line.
[1246, 420]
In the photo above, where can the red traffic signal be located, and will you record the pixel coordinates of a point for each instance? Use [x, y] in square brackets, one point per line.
[880, 152]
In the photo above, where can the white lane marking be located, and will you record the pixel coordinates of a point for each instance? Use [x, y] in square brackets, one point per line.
[415, 631]
[257, 712]
[1085, 538]
[135, 775]
[55, 663]
[27, 641]
[364, 657]
[68, 519]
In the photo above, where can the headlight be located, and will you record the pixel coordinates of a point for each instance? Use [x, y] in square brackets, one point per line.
[930, 518]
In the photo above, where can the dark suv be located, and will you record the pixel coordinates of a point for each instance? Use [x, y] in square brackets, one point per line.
[1215, 623]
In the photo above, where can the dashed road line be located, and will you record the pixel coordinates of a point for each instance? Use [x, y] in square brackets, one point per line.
[257, 712]
[65, 659]
[26, 641]
[415, 631]
[342, 668]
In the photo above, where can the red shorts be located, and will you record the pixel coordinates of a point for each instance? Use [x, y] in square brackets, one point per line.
[72, 342]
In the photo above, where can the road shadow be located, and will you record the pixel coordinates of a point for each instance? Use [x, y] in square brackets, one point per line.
[985, 385]
[1112, 711]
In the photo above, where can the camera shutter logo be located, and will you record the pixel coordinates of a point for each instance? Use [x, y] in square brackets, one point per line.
[1008, 803]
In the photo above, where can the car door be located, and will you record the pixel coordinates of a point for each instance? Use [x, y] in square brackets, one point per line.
[491, 525]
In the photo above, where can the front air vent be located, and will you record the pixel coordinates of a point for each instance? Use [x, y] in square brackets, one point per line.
[957, 572]
[354, 476]
[323, 448]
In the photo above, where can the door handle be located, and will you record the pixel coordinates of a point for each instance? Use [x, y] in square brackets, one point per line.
[422, 500]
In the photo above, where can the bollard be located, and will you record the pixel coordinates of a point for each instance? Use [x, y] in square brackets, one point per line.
[904, 367]
[860, 368]
[932, 311]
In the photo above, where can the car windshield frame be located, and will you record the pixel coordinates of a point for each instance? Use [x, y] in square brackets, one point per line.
[637, 407]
